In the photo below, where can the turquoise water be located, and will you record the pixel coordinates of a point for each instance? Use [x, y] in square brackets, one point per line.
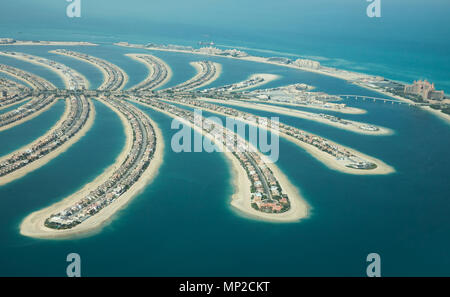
[183, 224]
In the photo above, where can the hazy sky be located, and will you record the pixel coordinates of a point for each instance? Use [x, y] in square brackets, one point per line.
[272, 15]
[413, 34]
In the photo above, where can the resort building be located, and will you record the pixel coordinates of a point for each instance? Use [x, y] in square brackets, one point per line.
[307, 63]
[425, 90]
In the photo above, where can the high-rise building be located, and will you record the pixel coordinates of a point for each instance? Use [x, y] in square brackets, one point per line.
[425, 90]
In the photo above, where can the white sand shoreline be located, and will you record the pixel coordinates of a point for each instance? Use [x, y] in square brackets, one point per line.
[443, 116]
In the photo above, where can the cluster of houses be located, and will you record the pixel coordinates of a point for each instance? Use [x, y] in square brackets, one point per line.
[209, 50]
[158, 75]
[121, 180]
[267, 195]
[26, 110]
[246, 84]
[298, 94]
[78, 115]
[341, 154]
[207, 72]
[114, 76]
[33, 80]
[74, 79]
[12, 92]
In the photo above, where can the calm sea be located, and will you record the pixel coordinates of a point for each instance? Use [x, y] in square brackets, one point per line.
[183, 224]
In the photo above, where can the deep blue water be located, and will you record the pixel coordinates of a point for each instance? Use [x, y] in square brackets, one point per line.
[183, 224]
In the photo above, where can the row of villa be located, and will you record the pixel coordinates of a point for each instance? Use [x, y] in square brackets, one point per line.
[297, 94]
[158, 75]
[339, 153]
[115, 77]
[12, 92]
[78, 115]
[121, 180]
[33, 80]
[26, 110]
[74, 79]
[207, 72]
[238, 86]
[267, 195]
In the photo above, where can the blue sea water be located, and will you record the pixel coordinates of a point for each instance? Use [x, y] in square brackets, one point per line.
[183, 224]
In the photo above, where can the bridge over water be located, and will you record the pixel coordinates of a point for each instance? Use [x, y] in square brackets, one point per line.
[374, 99]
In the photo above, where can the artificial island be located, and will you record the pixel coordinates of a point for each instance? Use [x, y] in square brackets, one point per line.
[262, 190]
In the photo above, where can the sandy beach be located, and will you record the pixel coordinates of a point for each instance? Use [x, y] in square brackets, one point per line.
[33, 224]
[241, 198]
[151, 70]
[50, 156]
[352, 127]
[443, 116]
[106, 76]
[326, 159]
